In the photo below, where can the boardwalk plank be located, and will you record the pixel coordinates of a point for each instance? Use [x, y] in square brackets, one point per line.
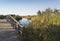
[7, 33]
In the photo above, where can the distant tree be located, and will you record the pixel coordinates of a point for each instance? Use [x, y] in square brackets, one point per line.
[48, 11]
[18, 18]
[12, 14]
[2, 16]
[39, 12]
[56, 11]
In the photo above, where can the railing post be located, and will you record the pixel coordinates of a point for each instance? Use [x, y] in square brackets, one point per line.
[20, 32]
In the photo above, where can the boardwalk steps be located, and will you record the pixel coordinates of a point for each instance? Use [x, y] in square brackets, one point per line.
[7, 33]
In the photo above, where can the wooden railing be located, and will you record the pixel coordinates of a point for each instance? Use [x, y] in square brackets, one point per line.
[16, 25]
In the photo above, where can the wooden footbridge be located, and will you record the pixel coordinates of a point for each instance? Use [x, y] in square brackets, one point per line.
[9, 29]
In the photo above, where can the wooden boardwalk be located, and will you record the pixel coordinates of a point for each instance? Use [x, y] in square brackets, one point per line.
[7, 33]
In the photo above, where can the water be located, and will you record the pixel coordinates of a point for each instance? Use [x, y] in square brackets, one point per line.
[24, 21]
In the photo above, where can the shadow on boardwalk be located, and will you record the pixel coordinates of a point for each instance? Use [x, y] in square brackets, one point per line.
[8, 35]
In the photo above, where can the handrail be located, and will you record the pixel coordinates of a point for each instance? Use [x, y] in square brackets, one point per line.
[14, 23]
[19, 28]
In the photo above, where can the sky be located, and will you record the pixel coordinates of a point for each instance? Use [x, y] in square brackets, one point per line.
[26, 7]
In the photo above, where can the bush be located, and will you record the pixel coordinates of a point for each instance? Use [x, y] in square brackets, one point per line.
[2, 16]
[18, 18]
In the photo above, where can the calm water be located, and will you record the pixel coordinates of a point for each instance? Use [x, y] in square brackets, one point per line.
[24, 21]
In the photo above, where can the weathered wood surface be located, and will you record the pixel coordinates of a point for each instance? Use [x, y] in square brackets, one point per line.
[7, 33]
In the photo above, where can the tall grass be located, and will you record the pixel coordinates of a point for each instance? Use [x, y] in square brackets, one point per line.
[48, 30]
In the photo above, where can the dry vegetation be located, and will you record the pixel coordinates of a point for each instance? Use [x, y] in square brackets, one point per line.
[45, 27]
